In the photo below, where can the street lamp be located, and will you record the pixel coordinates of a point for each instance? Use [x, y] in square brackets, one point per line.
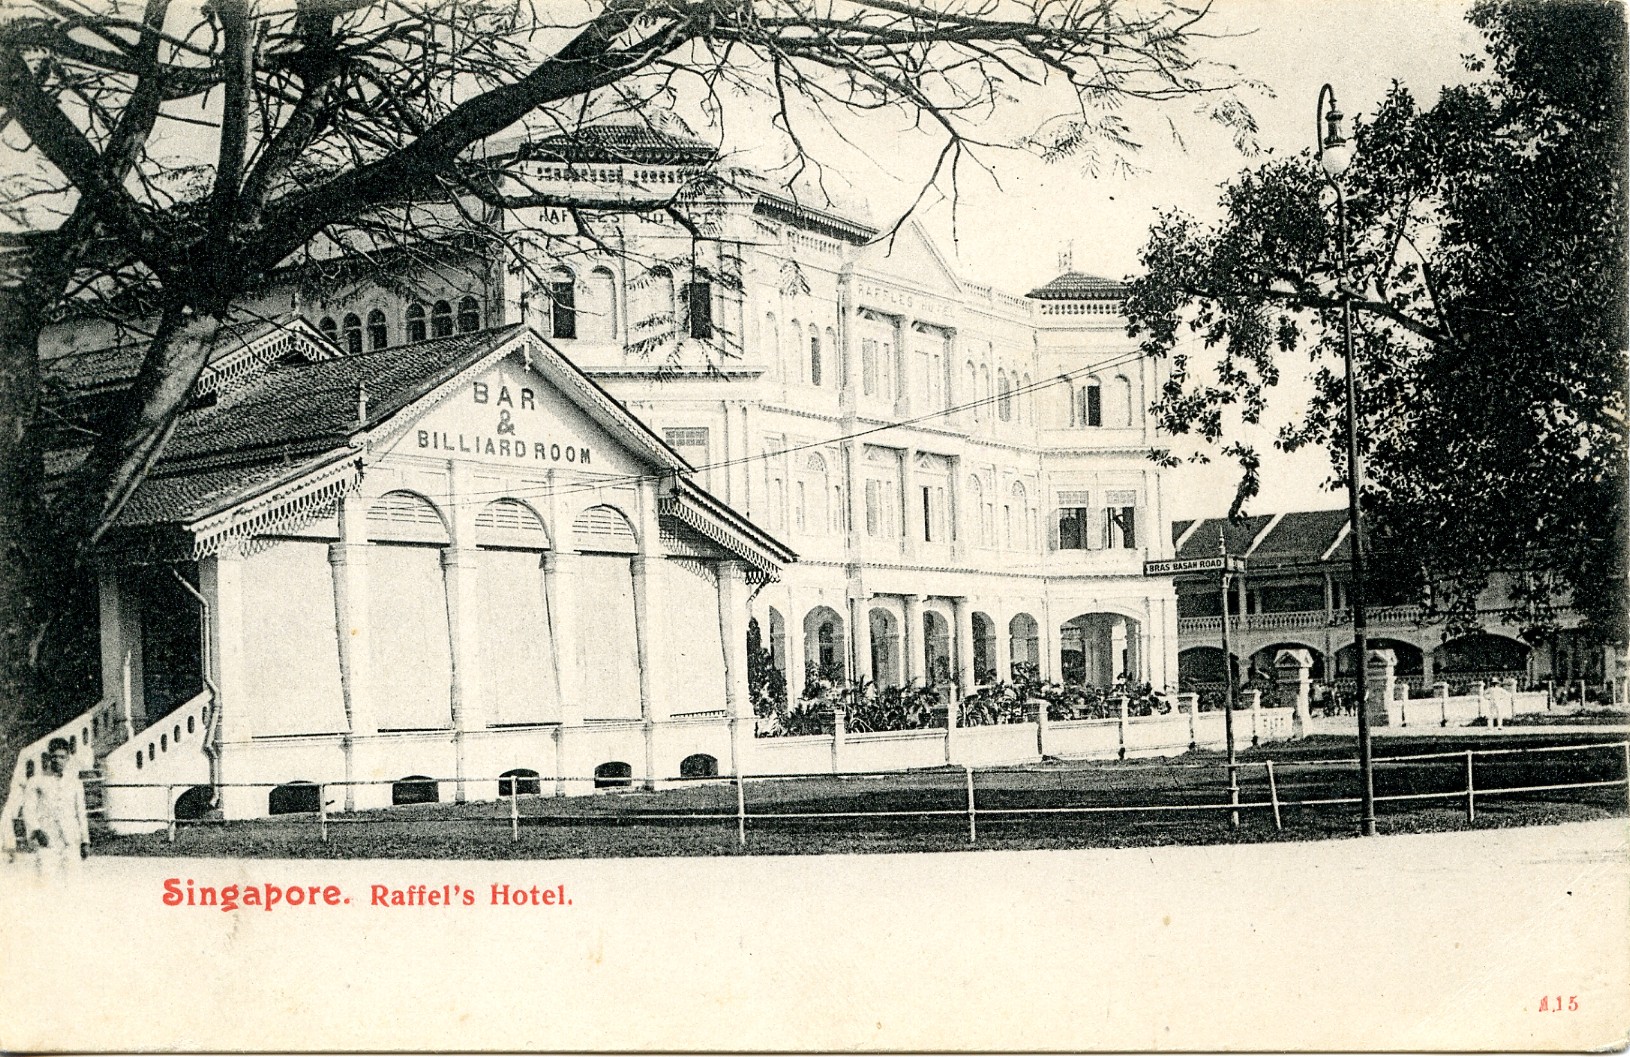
[1335, 154]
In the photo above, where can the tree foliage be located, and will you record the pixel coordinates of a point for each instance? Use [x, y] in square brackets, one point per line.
[1487, 275]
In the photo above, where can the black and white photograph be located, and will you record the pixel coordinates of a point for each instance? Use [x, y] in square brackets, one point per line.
[814, 525]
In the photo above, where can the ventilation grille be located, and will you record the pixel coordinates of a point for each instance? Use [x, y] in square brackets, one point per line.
[1071, 500]
[603, 528]
[1122, 499]
[398, 515]
[510, 521]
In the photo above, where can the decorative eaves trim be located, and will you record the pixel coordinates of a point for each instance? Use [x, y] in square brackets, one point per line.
[283, 507]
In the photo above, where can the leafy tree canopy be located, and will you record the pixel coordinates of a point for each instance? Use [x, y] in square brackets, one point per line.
[1486, 270]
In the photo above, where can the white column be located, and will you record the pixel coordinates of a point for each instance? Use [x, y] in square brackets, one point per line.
[1004, 647]
[348, 564]
[911, 518]
[962, 608]
[1117, 645]
[458, 580]
[738, 701]
[732, 587]
[855, 496]
[560, 576]
[794, 647]
[914, 639]
[645, 604]
[220, 581]
[119, 626]
[860, 635]
[1049, 656]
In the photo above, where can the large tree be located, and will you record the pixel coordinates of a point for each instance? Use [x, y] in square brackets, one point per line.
[1487, 277]
[161, 163]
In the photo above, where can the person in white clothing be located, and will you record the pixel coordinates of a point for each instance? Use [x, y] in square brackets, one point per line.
[53, 814]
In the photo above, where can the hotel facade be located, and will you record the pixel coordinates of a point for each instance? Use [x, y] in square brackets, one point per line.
[474, 516]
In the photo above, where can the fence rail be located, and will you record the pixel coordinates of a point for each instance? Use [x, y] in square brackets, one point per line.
[967, 803]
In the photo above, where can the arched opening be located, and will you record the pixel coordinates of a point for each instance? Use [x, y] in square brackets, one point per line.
[984, 649]
[699, 765]
[1119, 412]
[416, 322]
[816, 371]
[1202, 666]
[936, 649]
[378, 330]
[294, 798]
[1409, 657]
[1004, 397]
[1098, 649]
[561, 289]
[824, 640]
[597, 315]
[1259, 667]
[613, 775]
[415, 789]
[194, 803]
[353, 333]
[519, 781]
[604, 530]
[1024, 647]
[441, 320]
[469, 315]
[778, 640]
[885, 647]
[1481, 655]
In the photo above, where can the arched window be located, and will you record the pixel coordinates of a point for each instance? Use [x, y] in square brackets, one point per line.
[353, 333]
[562, 303]
[469, 315]
[816, 517]
[415, 789]
[814, 356]
[329, 329]
[613, 775]
[654, 298]
[976, 501]
[826, 639]
[415, 322]
[972, 395]
[698, 304]
[1120, 413]
[1027, 402]
[521, 781]
[772, 342]
[1004, 397]
[293, 798]
[1090, 404]
[378, 333]
[441, 320]
[699, 765]
[599, 309]
[797, 339]
[1017, 516]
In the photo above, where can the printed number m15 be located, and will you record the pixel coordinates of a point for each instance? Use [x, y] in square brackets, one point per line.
[1557, 1003]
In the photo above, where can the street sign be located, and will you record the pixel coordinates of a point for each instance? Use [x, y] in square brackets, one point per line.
[1194, 565]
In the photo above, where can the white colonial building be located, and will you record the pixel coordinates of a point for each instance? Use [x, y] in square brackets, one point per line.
[487, 519]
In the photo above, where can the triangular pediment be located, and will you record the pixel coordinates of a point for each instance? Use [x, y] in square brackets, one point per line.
[526, 407]
[911, 255]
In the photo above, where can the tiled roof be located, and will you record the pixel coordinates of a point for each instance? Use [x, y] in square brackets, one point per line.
[276, 422]
[1180, 527]
[77, 372]
[1301, 536]
[617, 144]
[1078, 286]
[1239, 534]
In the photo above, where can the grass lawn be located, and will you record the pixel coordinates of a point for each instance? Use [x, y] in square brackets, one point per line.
[637, 823]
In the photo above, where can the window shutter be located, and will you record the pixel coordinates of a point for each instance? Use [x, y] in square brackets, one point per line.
[1095, 406]
[699, 298]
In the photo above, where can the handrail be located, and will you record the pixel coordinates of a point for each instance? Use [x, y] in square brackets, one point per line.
[80, 732]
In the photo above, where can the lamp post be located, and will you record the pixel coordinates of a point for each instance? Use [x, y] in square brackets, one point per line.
[1228, 682]
[1335, 154]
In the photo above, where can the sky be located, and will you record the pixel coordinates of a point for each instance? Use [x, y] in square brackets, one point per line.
[1008, 228]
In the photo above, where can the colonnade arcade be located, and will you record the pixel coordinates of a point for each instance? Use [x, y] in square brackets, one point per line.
[955, 643]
